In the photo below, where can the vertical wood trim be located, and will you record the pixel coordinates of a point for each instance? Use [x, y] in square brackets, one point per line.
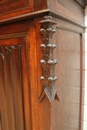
[26, 89]
[32, 60]
[17, 89]
[39, 55]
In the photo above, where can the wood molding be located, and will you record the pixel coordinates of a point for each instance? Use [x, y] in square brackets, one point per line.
[38, 14]
[66, 19]
[24, 16]
[13, 35]
[68, 29]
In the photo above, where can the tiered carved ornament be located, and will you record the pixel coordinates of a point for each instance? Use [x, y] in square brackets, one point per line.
[48, 62]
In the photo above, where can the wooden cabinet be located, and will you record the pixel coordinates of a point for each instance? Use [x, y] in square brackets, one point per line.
[21, 24]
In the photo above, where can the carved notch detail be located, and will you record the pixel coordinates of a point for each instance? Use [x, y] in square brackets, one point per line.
[48, 62]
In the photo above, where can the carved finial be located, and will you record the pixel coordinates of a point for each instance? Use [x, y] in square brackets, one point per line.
[48, 62]
[48, 20]
[48, 17]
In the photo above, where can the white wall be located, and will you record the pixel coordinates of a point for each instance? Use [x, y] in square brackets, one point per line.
[84, 121]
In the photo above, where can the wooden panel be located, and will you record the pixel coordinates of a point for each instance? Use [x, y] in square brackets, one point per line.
[67, 112]
[69, 9]
[40, 4]
[12, 100]
[14, 7]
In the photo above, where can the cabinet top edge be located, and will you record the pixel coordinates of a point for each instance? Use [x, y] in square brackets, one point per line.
[40, 13]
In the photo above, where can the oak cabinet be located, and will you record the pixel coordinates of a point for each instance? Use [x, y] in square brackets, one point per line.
[26, 28]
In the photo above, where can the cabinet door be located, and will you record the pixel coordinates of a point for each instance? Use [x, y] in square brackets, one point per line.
[13, 72]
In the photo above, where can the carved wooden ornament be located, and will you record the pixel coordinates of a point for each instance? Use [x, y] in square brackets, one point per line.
[48, 62]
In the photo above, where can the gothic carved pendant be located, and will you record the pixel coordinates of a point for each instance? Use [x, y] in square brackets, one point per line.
[48, 62]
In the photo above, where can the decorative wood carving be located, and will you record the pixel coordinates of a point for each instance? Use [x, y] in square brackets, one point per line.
[48, 62]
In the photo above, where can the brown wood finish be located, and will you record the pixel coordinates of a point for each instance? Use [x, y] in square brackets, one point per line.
[15, 8]
[14, 5]
[12, 88]
[39, 5]
[20, 68]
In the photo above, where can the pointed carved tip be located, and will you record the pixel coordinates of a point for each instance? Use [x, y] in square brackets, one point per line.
[50, 96]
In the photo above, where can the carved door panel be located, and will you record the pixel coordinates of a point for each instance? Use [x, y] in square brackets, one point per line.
[12, 101]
